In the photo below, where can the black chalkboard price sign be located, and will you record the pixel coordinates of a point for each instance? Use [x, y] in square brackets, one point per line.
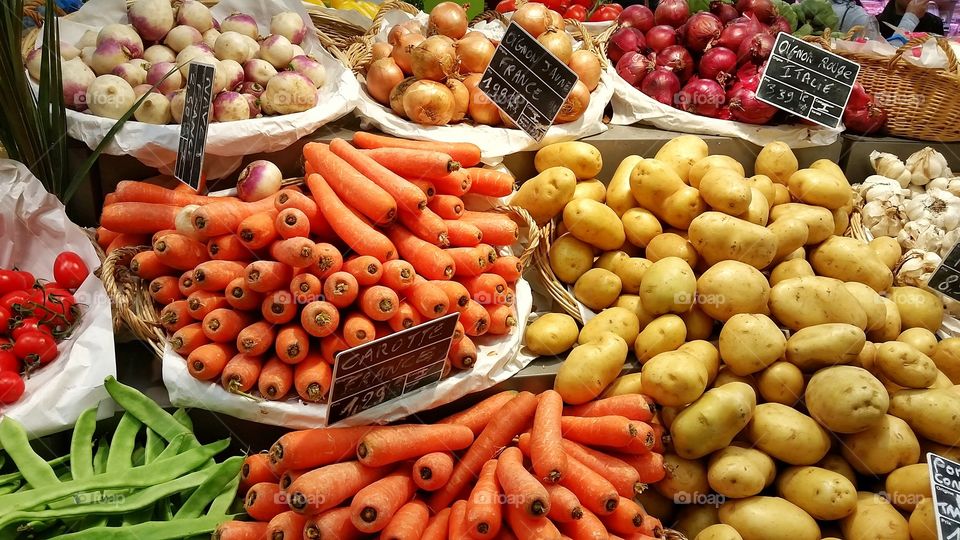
[946, 279]
[945, 484]
[193, 129]
[385, 369]
[807, 81]
[527, 82]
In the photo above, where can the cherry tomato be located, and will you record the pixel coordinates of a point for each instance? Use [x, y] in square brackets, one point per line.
[29, 325]
[9, 362]
[576, 12]
[35, 348]
[552, 4]
[506, 6]
[69, 270]
[11, 281]
[616, 6]
[27, 277]
[6, 344]
[604, 13]
[16, 300]
[11, 387]
[6, 321]
[585, 3]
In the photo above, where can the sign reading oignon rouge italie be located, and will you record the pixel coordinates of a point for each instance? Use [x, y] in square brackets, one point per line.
[193, 129]
[946, 279]
[945, 484]
[803, 79]
[390, 367]
[527, 82]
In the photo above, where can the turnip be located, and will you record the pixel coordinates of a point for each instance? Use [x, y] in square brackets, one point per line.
[210, 37]
[234, 46]
[242, 24]
[258, 71]
[86, 55]
[254, 103]
[110, 96]
[159, 53]
[277, 50]
[178, 101]
[134, 74]
[157, 71]
[219, 74]
[230, 106]
[88, 39]
[194, 14]
[309, 67]
[288, 92]
[107, 56]
[151, 18]
[124, 35]
[233, 73]
[155, 109]
[187, 55]
[34, 58]
[77, 77]
[181, 37]
[68, 51]
[258, 180]
[298, 51]
[251, 88]
[289, 25]
[142, 89]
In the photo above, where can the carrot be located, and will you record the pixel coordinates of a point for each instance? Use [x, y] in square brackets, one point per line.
[458, 332]
[229, 247]
[222, 325]
[312, 378]
[325, 488]
[564, 505]
[617, 431]
[406, 317]
[463, 234]
[477, 416]
[175, 316]
[457, 295]
[374, 505]
[588, 527]
[625, 479]
[330, 261]
[201, 303]
[289, 198]
[463, 354]
[185, 340]
[426, 225]
[379, 303]
[356, 233]
[312, 448]
[398, 275]
[428, 299]
[475, 319]
[293, 344]
[466, 154]
[276, 379]
[206, 362]
[147, 266]
[104, 236]
[181, 187]
[255, 469]
[652, 526]
[333, 524]
[438, 526]
[508, 267]
[331, 346]
[365, 268]
[407, 196]
[642, 443]
[457, 183]
[241, 297]
[425, 186]
[490, 182]
[507, 422]
[490, 252]
[138, 218]
[241, 373]
[187, 284]
[319, 318]
[225, 215]
[306, 288]
[279, 307]
[165, 289]
[649, 466]
[469, 261]
[413, 163]
[264, 501]
[397, 443]
[258, 230]
[408, 523]
[546, 452]
[297, 252]
[215, 275]
[431, 471]
[266, 276]
[256, 339]
[358, 329]
[143, 192]
[633, 406]
[502, 319]
[291, 223]
[240, 530]
[447, 206]
[483, 513]
[484, 288]
[155, 236]
[497, 229]
[286, 526]
[521, 486]
[429, 260]
[527, 527]
[660, 438]
[179, 251]
[288, 478]
[355, 189]
[457, 527]
[627, 518]
[595, 492]
[506, 298]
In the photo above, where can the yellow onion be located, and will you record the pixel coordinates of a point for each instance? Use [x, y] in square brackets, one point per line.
[402, 29]
[575, 105]
[506, 120]
[481, 109]
[556, 20]
[533, 17]
[557, 42]
[473, 34]
[461, 99]
[475, 53]
[382, 77]
[448, 19]
[403, 51]
[396, 96]
[381, 50]
[429, 103]
[587, 67]
[433, 59]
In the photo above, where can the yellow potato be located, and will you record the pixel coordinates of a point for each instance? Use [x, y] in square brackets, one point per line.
[792, 268]
[769, 518]
[819, 188]
[808, 301]
[787, 434]
[923, 521]
[738, 472]
[711, 422]
[819, 220]
[781, 382]
[658, 188]
[570, 258]
[887, 249]
[874, 518]
[725, 376]
[765, 185]
[758, 212]
[891, 325]
[947, 358]
[699, 324]
[624, 385]
[631, 271]
[551, 334]
[706, 354]
[824, 345]
[846, 399]
[668, 286]
[823, 494]
[881, 448]
[545, 195]
[719, 532]
[731, 287]
[597, 288]
[665, 333]
[949, 452]
[619, 196]
[671, 245]
[682, 152]
[641, 226]
[871, 302]
[719, 237]
[594, 223]
[777, 161]
[591, 189]
[726, 191]
[800, 253]
[632, 303]
[619, 321]
[710, 163]
[905, 366]
[791, 235]
[674, 378]
[918, 308]
[908, 485]
[582, 158]
[841, 220]
[932, 414]
[694, 518]
[590, 368]
[686, 480]
[829, 166]
[781, 195]
[849, 259]
[609, 260]
[867, 359]
[921, 339]
[836, 463]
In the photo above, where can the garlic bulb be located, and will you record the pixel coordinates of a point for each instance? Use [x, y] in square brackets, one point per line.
[921, 234]
[953, 308]
[948, 241]
[917, 267]
[925, 165]
[915, 190]
[889, 165]
[951, 184]
[941, 207]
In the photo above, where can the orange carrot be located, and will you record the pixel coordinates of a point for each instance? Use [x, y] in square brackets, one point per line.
[457, 295]
[312, 378]
[187, 284]
[358, 329]
[201, 303]
[289, 198]
[306, 288]
[224, 216]
[183, 188]
[652, 526]
[259, 230]
[379, 303]
[429, 260]
[215, 275]
[521, 486]
[456, 183]
[374, 505]
[506, 298]
[143, 192]
[508, 267]
[463, 354]
[458, 528]
[293, 344]
[291, 223]
[279, 307]
[627, 518]
[588, 527]
[564, 505]
[264, 501]
[239, 296]
[546, 453]
[625, 479]
[138, 218]
[147, 266]
[206, 362]
[466, 154]
[240, 530]
[287, 525]
[497, 229]
[438, 526]
[266, 276]
[222, 325]
[229, 247]
[368, 270]
[297, 252]
[241, 373]
[105, 236]
[643, 442]
[595, 492]
[185, 340]
[463, 234]
[484, 513]
[458, 332]
[447, 206]
[331, 346]
[469, 261]
[325, 488]
[649, 466]
[288, 477]
[179, 251]
[428, 299]
[165, 289]
[490, 182]
[398, 275]
[397, 443]
[276, 379]
[256, 339]
[255, 469]
[425, 186]
[407, 196]
[330, 261]
[477, 416]
[502, 319]
[527, 527]
[616, 431]
[431, 471]
[357, 234]
[334, 524]
[349, 185]
[502, 428]
[319, 318]
[175, 316]
[490, 252]
[484, 288]
[406, 316]
[633, 406]
[475, 319]
[341, 289]
[155, 236]
[413, 163]
[408, 523]
[426, 225]
[660, 437]
[312, 448]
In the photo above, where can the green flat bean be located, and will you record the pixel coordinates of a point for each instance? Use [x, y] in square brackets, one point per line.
[147, 411]
[124, 440]
[3, 459]
[208, 491]
[221, 505]
[17, 476]
[177, 445]
[81, 444]
[154, 530]
[165, 510]
[100, 458]
[13, 438]
[183, 417]
[153, 447]
[10, 488]
[138, 457]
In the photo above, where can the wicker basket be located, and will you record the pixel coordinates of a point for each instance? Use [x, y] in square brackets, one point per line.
[557, 290]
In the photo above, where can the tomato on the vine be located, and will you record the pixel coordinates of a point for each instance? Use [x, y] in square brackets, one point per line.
[6, 344]
[27, 277]
[11, 387]
[552, 4]
[35, 348]
[10, 281]
[576, 12]
[506, 6]
[69, 270]
[31, 324]
[9, 362]
[16, 299]
[604, 13]
[587, 4]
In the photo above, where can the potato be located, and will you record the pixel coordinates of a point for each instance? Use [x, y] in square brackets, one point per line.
[793, 268]
[591, 189]
[693, 518]
[846, 399]
[674, 378]
[764, 184]
[726, 191]
[907, 485]
[823, 494]
[620, 321]
[665, 333]
[632, 303]
[711, 163]
[830, 167]
[781, 195]
[777, 161]
[681, 153]
[707, 354]
[947, 358]
[887, 249]
[949, 452]
[787, 434]
[791, 235]
[882, 448]
[631, 271]
[921, 339]
[819, 220]
[582, 158]
[725, 376]
[594, 223]
[841, 220]
[731, 287]
[932, 414]
[619, 196]
[808, 301]
[891, 325]
[874, 518]
[699, 324]
[918, 308]
[719, 532]
[738, 472]
[719, 237]
[819, 188]
[711, 422]
[609, 260]
[686, 480]
[758, 212]
[800, 253]
[668, 286]
[590, 368]
[671, 245]
[659, 189]
[570, 258]
[750, 342]
[823, 345]
[545, 195]
[849, 259]
[551, 335]
[624, 385]
[836, 463]
[871, 302]
[781, 382]
[597, 288]
[905, 366]
[867, 359]
[923, 521]
[769, 518]
[641, 226]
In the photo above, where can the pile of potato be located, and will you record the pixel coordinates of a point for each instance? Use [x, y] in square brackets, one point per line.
[800, 388]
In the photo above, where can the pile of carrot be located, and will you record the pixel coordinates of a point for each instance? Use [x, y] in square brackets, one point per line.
[263, 295]
[514, 466]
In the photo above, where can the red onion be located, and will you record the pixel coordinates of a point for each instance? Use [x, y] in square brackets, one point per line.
[745, 107]
[756, 49]
[623, 41]
[678, 60]
[660, 37]
[725, 11]
[718, 64]
[259, 180]
[859, 98]
[662, 85]
[724, 113]
[633, 67]
[701, 30]
[749, 75]
[672, 12]
[780, 24]
[763, 9]
[869, 119]
[733, 35]
[637, 16]
[703, 97]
